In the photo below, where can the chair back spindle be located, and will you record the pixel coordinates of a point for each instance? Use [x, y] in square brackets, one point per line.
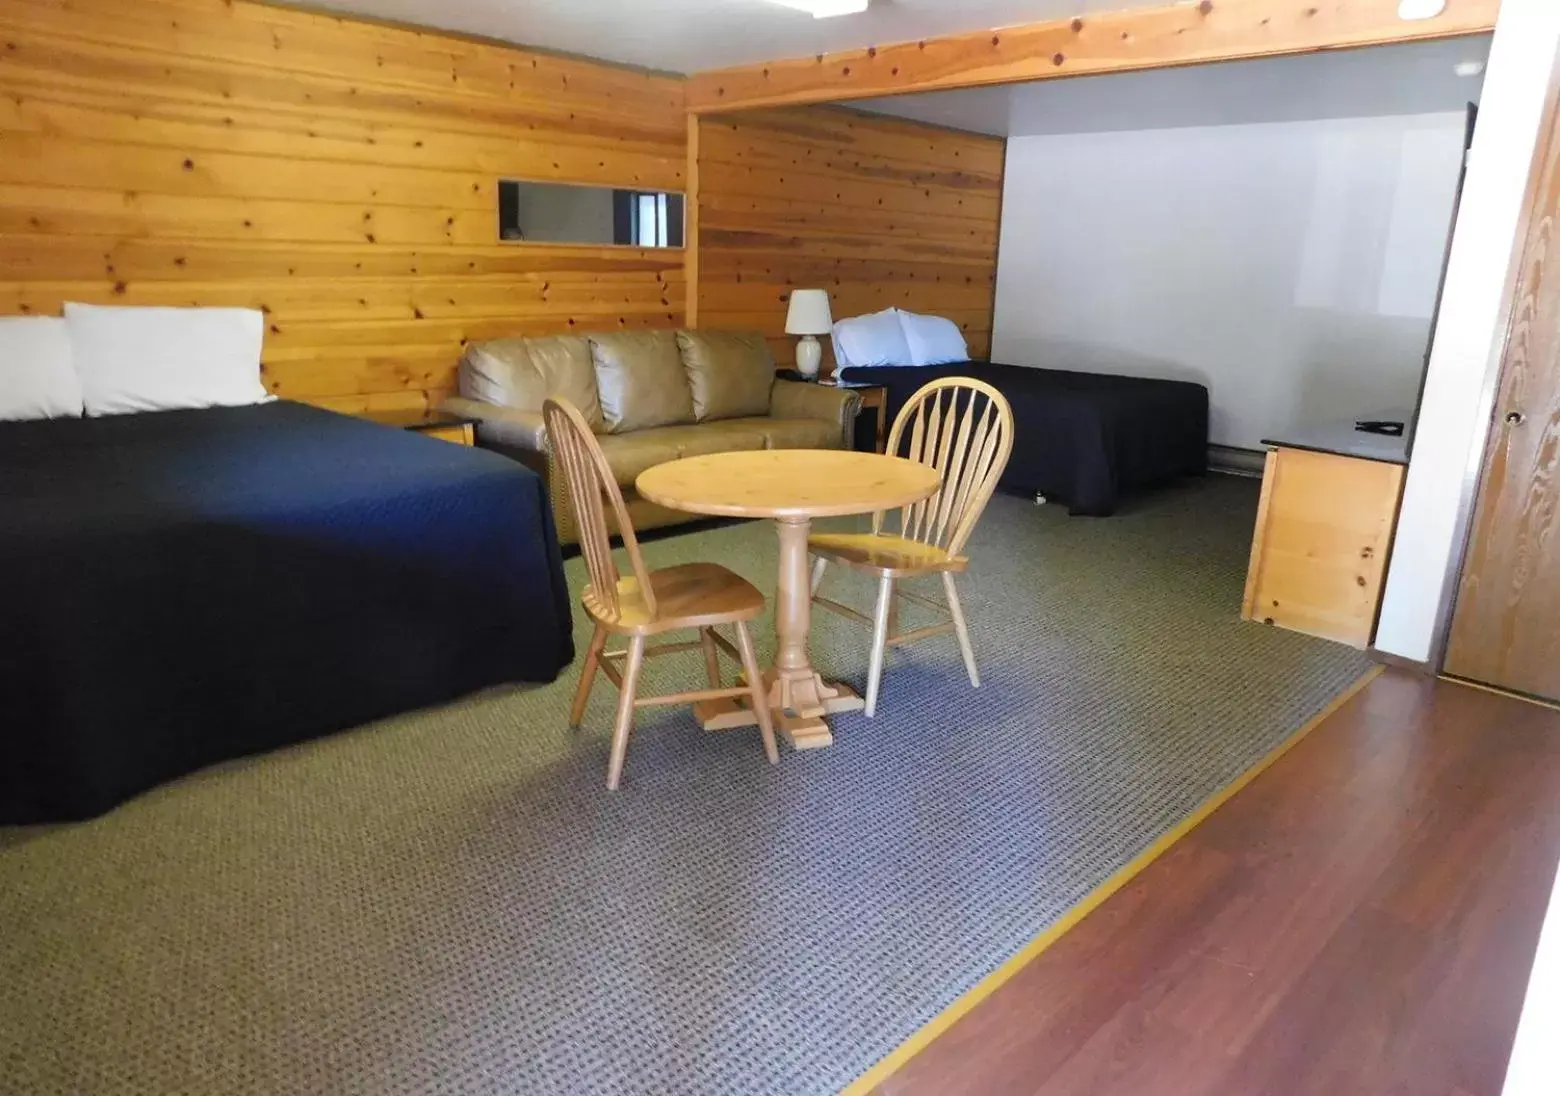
[964, 428]
[592, 489]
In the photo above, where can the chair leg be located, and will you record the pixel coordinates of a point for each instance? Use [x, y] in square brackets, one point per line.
[960, 628]
[757, 698]
[625, 711]
[820, 565]
[711, 657]
[587, 677]
[879, 641]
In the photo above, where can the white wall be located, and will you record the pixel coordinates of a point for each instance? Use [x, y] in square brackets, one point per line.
[1291, 267]
[1454, 420]
[1535, 1057]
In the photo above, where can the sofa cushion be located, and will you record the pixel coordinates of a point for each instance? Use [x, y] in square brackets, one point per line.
[630, 454]
[641, 381]
[791, 433]
[521, 373]
[730, 373]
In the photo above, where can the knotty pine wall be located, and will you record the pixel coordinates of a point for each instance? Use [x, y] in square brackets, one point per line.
[339, 175]
[878, 211]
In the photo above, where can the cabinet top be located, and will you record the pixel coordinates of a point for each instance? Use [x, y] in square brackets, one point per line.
[1341, 438]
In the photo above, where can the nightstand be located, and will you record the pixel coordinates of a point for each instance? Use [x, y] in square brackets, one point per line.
[874, 397]
[436, 424]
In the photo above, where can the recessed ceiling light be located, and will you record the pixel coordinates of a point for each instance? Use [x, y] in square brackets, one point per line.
[824, 9]
[1468, 68]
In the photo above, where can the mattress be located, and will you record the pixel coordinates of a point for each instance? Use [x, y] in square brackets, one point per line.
[1084, 439]
[185, 587]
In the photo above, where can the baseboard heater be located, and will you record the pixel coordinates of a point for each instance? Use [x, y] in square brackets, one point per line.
[1235, 461]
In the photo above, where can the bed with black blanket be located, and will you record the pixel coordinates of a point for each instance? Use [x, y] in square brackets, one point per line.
[183, 587]
[1085, 439]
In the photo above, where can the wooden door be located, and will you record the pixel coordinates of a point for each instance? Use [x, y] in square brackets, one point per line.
[1506, 623]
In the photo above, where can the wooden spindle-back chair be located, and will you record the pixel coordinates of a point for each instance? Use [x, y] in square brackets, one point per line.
[963, 428]
[646, 603]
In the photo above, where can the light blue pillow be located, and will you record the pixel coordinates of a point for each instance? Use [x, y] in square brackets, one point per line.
[933, 340]
[876, 339]
[841, 359]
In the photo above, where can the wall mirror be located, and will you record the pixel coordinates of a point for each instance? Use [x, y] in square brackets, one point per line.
[569, 213]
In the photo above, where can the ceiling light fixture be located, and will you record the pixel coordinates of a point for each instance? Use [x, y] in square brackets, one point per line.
[824, 9]
[1468, 68]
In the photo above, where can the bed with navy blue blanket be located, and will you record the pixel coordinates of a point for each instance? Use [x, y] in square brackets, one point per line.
[184, 587]
[1084, 439]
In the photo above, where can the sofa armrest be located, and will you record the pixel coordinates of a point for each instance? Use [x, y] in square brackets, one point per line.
[505, 425]
[804, 400]
[522, 436]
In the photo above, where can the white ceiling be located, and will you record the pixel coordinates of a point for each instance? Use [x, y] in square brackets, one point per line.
[690, 35]
[1410, 79]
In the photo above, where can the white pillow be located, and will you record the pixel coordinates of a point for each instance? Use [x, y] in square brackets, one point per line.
[933, 340]
[841, 359]
[157, 359]
[877, 339]
[37, 379]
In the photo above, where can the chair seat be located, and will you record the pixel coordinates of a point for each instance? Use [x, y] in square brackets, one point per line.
[883, 553]
[692, 595]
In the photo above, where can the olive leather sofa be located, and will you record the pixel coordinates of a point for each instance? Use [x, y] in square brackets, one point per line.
[650, 397]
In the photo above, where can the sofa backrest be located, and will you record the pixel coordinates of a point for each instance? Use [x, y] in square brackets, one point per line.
[641, 380]
[731, 373]
[626, 380]
[522, 373]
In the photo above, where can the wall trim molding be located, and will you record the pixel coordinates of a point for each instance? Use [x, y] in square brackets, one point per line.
[1123, 41]
[1398, 662]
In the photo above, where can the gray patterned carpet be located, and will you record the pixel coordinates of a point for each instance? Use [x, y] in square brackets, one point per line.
[451, 903]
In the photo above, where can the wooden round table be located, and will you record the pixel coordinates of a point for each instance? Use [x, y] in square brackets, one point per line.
[791, 486]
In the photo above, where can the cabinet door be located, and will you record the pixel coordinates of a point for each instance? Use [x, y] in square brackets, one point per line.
[1506, 623]
[1320, 550]
[460, 435]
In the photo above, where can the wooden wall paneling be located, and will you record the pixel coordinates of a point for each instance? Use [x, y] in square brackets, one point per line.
[244, 122]
[272, 43]
[340, 175]
[87, 258]
[879, 211]
[692, 267]
[846, 210]
[849, 141]
[1142, 38]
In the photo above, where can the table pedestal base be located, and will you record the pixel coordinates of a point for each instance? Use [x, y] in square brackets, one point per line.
[797, 706]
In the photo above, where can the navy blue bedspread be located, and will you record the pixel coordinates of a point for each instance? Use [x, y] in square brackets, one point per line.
[1085, 439]
[184, 587]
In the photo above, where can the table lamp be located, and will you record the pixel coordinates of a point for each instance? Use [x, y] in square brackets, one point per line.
[808, 317]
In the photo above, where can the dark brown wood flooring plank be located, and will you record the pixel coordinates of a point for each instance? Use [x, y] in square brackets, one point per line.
[1360, 919]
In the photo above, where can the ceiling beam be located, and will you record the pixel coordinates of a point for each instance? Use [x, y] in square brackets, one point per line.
[1122, 41]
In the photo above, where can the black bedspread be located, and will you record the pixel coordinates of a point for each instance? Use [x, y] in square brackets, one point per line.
[1080, 438]
[184, 587]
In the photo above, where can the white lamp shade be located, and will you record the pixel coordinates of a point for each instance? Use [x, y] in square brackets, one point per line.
[809, 313]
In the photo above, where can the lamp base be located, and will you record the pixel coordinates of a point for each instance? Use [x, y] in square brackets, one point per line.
[809, 355]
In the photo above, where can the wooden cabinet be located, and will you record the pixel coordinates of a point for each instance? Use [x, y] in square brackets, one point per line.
[435, 424]
[871, 432]
[460, 435]
[1319, 554]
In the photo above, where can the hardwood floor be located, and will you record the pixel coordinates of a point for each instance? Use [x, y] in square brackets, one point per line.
[1361, 919]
